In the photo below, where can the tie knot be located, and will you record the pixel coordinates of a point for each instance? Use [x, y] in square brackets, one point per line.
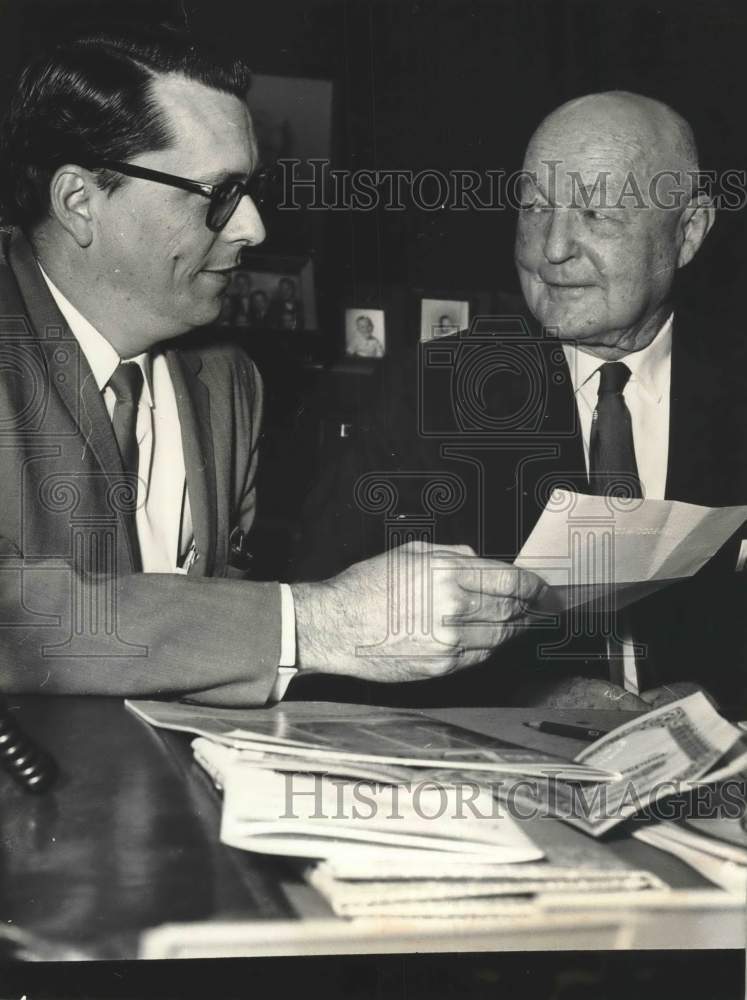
[127, 382]
[613, 377]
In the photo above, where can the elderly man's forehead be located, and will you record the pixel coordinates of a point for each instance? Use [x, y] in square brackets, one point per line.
[606, 171]
[588, 153]
[616, 132]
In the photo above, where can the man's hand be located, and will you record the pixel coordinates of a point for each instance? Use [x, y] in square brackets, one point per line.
[580, 693]
[416, 612]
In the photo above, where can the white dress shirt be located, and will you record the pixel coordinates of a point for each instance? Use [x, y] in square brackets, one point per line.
[647, 398]
[163, 518]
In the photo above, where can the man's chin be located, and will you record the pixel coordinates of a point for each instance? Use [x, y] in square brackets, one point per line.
[557, 324]
[206, 312]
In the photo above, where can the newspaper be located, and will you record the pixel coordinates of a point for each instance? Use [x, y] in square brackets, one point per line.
[589, 548]
[321, 739]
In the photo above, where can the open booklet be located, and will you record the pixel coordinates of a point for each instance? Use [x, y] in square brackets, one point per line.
[591, 548]
[322, 739]
[669, 751]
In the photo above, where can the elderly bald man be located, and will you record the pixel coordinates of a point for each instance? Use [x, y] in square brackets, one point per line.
[610, 210]
[624, 392]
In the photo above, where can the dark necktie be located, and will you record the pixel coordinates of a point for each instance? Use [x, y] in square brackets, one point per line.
[127, 383]
[612, 466]
[613, 471]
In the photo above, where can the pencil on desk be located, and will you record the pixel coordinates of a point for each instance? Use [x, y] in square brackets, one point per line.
[563, 729]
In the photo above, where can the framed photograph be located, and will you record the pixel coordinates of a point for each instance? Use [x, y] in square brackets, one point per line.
[365, 333]
[271, 293]
[442, 317]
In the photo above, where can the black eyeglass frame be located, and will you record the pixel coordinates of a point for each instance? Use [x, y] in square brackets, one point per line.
[213, 192]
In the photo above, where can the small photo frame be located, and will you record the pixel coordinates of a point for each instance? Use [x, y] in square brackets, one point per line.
[442, 318]
[365, 333]
[271, 293]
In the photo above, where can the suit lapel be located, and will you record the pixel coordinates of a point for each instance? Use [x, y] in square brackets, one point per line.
[78, 391]
[560, 463]
[699, 468]
[193, 405]
[70, 376]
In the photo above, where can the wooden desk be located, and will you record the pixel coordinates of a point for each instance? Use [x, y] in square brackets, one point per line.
[128, 840]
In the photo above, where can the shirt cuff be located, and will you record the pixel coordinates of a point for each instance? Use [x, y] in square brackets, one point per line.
[287, 668]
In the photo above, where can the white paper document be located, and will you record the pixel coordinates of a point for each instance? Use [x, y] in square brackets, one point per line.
[587, 546]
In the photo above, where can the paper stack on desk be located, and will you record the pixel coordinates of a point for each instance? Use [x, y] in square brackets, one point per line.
[318, 816]
[397, 814]
[406, 850]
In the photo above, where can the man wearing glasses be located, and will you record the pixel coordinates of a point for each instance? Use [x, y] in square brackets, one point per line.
[128, 462]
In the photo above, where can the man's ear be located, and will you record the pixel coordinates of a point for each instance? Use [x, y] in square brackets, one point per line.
[70, 195]
[695, 224]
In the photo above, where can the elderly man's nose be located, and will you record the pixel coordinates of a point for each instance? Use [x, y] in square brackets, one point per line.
[560, 241]
[245, 225]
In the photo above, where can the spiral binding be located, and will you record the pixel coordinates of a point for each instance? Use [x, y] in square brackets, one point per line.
[30, 766]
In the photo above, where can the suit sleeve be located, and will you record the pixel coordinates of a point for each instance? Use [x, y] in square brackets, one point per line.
[136, 635]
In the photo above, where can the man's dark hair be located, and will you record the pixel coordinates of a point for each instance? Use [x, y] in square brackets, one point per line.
[89, 99]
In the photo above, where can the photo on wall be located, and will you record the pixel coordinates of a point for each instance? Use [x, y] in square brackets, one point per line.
[442, 318]
[365, 333]
[271, 293]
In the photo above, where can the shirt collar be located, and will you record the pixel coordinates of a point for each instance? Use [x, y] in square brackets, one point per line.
[648, 367]
[99, 353]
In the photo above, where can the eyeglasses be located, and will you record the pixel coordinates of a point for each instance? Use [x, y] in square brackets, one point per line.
[224, 197]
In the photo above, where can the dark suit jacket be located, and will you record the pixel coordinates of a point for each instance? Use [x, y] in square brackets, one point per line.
[74, 618]
[491, 414]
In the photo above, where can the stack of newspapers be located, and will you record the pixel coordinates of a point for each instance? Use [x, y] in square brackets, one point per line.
[395, 814]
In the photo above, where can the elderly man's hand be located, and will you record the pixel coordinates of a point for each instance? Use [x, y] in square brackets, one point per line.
[416, 612]
[578, 693]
